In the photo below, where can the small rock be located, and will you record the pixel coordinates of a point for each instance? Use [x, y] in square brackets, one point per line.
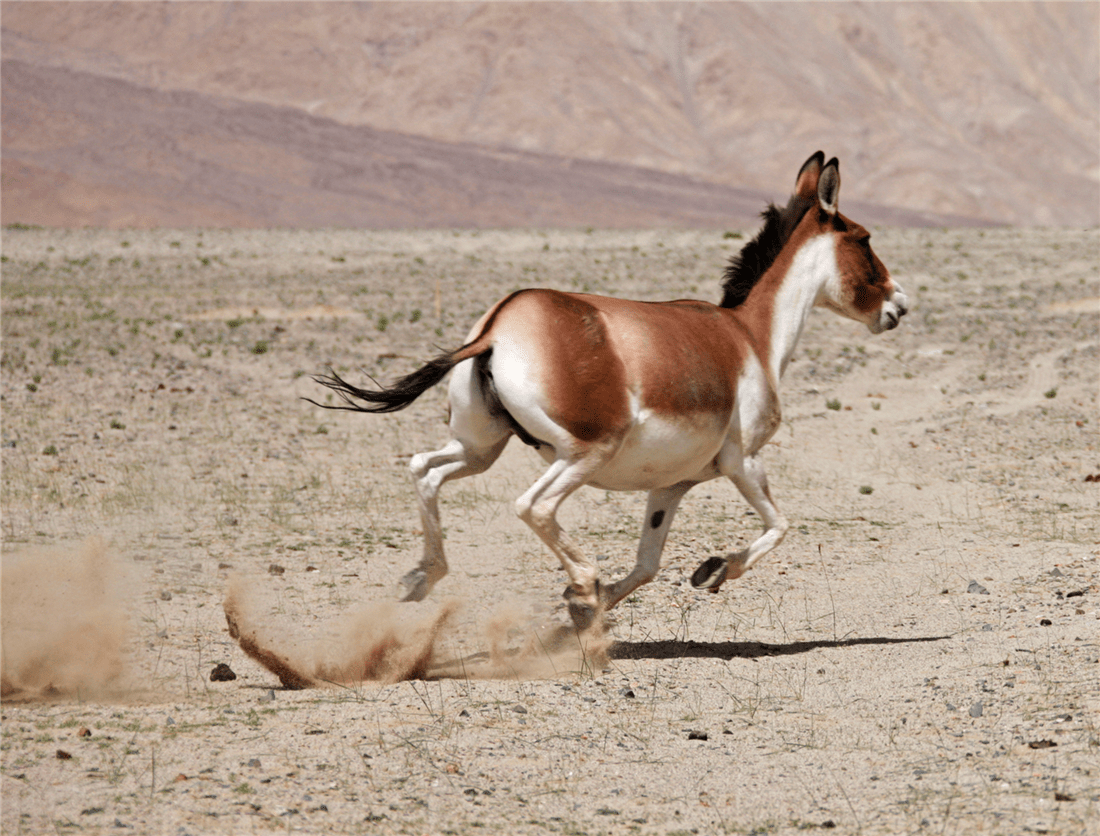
[84, 732]
[1045, 622]
[519, 709]
[1041, 744]
[976, 588]
[275, 569]
[977, 709]
[62, 755]
[165, 595]
[627, 692]
[697, 735]
[222, 673]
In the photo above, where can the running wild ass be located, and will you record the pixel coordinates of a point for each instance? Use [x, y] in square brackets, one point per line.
[643, 396]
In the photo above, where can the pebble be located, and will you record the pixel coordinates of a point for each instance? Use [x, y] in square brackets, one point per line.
[976, 588]
[977, 709]
[222, 673]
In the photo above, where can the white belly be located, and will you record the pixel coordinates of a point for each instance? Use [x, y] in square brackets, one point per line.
[658, 452]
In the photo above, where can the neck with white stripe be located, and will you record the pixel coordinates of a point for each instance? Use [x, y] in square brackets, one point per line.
[813, 266]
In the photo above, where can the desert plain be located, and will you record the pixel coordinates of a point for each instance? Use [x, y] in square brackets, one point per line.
[921, 655]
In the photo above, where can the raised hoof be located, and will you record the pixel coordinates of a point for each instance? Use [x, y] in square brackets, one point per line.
[413, 587]
[710, 574]
[582, 613]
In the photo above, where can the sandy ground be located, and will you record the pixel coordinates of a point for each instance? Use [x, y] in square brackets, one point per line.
[920, 655]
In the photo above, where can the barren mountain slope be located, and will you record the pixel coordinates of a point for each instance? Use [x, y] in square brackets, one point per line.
[84, 150]
[980, 109]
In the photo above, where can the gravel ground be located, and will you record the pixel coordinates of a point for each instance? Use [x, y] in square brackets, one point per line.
[920, 655]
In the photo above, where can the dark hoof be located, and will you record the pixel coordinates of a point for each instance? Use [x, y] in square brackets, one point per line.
[413, 587]
[582, 613]
[710, 574]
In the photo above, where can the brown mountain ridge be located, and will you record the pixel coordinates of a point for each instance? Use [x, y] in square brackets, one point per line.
[92, 151]
[546, 113]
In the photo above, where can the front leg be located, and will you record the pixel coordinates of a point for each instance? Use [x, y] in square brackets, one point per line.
[660, 508]
[747, 473]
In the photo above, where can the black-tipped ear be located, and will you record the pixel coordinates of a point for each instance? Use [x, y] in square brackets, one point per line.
[828, 186]
[805, 184]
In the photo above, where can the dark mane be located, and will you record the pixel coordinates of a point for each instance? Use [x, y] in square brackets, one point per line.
[745, 269]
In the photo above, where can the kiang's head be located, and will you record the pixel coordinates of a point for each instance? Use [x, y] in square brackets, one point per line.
[860, 287]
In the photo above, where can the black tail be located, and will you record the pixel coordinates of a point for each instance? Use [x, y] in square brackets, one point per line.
[390, 398]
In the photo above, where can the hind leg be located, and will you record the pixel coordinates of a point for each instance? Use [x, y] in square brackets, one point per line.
[431, 470]
[538, 508]
[479, 438]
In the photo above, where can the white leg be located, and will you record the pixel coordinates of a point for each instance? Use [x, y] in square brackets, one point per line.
[538, 508]
[660, 509]
[431, 470]
[749, 477]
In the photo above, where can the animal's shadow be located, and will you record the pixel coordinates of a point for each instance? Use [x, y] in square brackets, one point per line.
[674, 649]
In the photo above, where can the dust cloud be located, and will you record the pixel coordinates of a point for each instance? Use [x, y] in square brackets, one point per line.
[63, 624]
[391, 642]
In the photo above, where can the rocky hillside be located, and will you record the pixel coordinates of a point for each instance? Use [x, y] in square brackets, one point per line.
[512, 113]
